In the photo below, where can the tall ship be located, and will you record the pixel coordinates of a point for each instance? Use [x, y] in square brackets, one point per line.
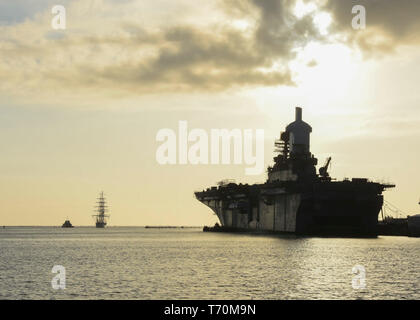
[295, 198]
[101, 209]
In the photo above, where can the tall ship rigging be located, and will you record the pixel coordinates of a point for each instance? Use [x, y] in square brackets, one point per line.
[101, 209]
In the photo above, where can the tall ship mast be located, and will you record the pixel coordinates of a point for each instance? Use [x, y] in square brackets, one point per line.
[101, 208]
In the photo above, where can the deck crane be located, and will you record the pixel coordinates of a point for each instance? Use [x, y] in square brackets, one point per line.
[323, 171]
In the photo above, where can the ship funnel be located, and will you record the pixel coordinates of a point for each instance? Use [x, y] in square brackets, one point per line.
[298, 114]
[299, 134]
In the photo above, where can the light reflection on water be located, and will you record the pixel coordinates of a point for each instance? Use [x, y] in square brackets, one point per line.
[138, 263]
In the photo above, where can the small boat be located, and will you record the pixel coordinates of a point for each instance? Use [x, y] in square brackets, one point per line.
[67, 224]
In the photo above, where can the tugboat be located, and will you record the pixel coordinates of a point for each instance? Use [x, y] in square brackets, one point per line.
[67, 224]
[101, 209]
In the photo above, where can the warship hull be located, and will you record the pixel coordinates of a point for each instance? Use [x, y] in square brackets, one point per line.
[344, 208]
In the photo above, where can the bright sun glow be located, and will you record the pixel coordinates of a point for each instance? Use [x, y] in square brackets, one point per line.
[325, 75]
[321, 65]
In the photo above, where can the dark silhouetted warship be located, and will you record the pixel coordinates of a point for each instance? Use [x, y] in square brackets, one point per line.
[295, 199]
[101, 209]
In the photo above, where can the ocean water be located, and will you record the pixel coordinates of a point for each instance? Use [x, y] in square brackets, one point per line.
[139, 263]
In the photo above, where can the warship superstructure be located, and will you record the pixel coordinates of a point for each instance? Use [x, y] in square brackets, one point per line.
[101, 209]
[295, 198]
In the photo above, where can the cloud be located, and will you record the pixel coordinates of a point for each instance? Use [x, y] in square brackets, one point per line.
[134, 48]
[389, 24]
[17, 11]
[109, 52]
[190, 59]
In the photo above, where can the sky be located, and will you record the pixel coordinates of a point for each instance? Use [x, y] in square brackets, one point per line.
[80, 107]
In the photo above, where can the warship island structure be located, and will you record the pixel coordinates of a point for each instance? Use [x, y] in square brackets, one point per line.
[101, 209]
[295, 199]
